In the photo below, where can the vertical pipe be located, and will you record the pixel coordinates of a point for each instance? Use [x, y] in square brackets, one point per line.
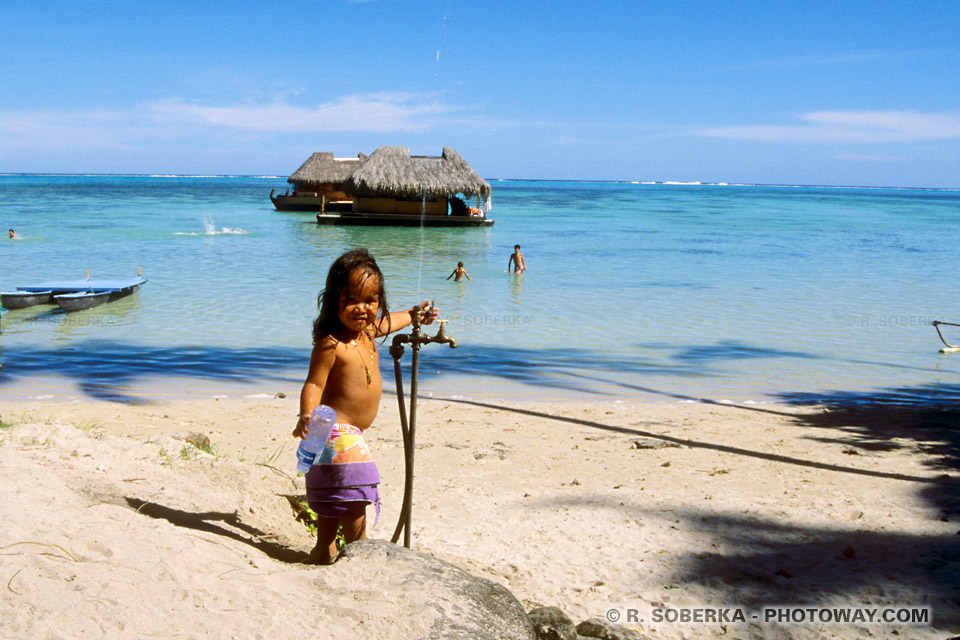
[396, 351]
[415, 366]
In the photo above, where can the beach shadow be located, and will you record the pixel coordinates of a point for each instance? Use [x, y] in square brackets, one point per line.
[549, 368]
[696, 444]
[924, 418]
[110, 371]
[932, 428]
[576, 369]
[232, 528]
[107, 370]
[799, 564]
[735, 350]
[754, 562]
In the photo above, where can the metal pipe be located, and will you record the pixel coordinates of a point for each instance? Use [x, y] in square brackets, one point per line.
[408, 426]
[397, 351]
[412, 439]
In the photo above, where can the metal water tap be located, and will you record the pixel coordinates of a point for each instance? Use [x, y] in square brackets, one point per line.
[442, 336]
[416, 338]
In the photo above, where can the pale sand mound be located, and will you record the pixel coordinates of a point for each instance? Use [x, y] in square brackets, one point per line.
[753, 508]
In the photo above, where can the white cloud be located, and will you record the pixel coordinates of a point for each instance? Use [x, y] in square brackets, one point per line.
[376, 112]
[851, 127]
[176, 118]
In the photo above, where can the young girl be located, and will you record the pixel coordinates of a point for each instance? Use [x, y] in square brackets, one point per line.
[344, 374]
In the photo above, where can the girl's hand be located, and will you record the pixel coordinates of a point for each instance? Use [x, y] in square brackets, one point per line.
[301, 431]
[428, 312]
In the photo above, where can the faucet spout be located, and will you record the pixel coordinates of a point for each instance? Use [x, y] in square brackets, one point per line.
[442, 336]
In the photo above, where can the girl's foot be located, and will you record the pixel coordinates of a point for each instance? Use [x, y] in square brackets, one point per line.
[321, 556]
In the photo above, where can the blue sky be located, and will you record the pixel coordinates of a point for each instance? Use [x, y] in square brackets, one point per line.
[840, 93]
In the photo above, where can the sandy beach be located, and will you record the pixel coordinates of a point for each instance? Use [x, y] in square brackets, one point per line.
[114, 526]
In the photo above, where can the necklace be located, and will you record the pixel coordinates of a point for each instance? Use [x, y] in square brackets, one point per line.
[353, 343]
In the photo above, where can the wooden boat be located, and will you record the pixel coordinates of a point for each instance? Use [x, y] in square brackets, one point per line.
[75, 295]
[81, 300]
[24, 299]
[402, 220]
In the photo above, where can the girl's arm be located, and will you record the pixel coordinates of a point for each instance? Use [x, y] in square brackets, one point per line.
[451, 275]
[322, 359]
[468, 276]
[401, 319]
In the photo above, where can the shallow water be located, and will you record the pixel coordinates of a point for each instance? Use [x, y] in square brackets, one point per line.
[636, 291]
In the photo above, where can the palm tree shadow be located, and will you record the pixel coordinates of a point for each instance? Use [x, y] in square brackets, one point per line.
[925, 418]
[756, 561]
[108, 370]
[798, 564]
[233, 527]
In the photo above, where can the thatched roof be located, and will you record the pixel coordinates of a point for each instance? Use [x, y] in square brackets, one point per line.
[322, 167]
[392, 172]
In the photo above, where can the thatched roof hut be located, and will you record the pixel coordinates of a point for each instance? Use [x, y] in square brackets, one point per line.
[391, 172]
[323, 168]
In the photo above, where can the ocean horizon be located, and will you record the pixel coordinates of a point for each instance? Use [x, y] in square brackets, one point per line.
[545, 180]
[636, 290]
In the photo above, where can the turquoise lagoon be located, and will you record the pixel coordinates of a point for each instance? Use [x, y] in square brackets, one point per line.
[635, 291]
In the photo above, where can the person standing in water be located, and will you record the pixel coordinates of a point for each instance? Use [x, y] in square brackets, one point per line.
[516, 262]
[459, 272]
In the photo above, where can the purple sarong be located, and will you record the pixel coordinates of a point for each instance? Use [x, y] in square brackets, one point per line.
[344, 475]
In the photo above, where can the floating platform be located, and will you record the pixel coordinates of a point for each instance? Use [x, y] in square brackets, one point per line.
[402, 220]
[309, 203]
[71, 295]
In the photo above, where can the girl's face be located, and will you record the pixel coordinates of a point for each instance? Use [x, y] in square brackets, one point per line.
[360, 302]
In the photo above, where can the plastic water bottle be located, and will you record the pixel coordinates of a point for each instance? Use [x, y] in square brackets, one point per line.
[321, 420]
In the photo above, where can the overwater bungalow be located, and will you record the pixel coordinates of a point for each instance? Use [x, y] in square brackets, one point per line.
[318, 184]
[391, 187]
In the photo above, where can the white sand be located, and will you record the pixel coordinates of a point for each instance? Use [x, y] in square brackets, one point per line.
[754, 508]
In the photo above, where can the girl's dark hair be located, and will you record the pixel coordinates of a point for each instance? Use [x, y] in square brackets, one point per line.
[338, 280]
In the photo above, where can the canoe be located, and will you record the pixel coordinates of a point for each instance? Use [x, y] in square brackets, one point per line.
[24, 299]
[81, 300]
[72, 295]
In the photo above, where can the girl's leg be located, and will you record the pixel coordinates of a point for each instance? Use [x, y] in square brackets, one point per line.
[326, 550]
[354, 524]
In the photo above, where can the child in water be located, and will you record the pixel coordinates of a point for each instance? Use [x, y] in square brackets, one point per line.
[460, 272]
[516, 263]
[344, 375]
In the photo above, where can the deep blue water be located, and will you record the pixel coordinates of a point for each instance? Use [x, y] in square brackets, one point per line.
[634, 291]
